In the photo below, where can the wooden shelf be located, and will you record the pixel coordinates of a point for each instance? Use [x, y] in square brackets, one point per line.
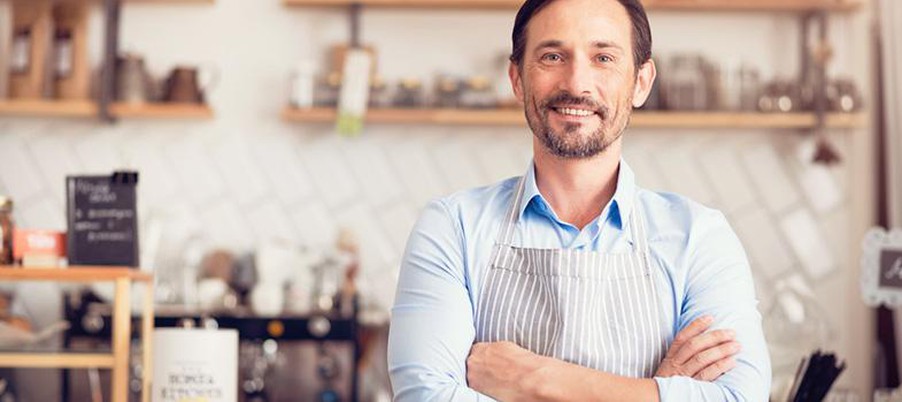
[161, 111]
[47, 108]
[754, 5]
[744, 120]
[89, 109]
[171, 1]
[514, 117]
[62, 360]
[73, 274]
[651, 5]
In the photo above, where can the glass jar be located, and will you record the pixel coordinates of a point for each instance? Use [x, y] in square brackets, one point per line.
[327, 90]
[409, 94]
[6, 230]
[686, 87]
[378, 93]
[749, 88]
[447, 92]
[478, 94]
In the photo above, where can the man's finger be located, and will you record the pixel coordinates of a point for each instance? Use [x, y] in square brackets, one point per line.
[701, 343]
[701, 360]
[695, 328]
[716, 369]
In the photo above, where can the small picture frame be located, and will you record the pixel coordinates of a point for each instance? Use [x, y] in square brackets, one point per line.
[881, 268]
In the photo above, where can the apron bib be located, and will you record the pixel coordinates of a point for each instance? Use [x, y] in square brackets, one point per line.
[597, 310]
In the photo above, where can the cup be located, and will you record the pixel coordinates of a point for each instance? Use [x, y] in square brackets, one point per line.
[189, 84]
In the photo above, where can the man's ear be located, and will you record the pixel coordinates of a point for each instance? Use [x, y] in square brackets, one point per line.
[513, 71]
[645, 79]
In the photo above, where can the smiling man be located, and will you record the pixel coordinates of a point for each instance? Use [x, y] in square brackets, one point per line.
[572, 282]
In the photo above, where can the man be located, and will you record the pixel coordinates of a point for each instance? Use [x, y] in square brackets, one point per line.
[572, 283]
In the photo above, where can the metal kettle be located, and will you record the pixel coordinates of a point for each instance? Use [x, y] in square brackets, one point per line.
[133, 83]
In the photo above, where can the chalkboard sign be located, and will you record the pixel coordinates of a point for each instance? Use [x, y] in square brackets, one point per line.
[881, 267]
[102, 219]
[891, 268]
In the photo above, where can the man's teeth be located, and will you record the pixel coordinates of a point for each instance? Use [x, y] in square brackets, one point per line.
[575, 112]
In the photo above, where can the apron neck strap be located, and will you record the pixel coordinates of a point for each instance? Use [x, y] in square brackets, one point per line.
[636, 225]
[511, 217]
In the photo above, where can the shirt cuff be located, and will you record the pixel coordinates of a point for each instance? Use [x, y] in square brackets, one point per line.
[673, 388]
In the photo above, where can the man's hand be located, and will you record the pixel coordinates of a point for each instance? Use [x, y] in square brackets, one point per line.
[699, 354]
[501, 370]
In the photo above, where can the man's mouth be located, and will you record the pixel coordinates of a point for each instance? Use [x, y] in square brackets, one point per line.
[572, 111]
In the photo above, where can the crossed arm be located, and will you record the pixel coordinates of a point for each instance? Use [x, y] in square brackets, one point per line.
[507, 372]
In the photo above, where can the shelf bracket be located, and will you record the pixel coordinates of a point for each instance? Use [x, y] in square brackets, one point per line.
[354, 14]
[813, 78]
[112, 12]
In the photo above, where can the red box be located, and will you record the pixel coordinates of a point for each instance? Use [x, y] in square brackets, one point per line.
[33, 242]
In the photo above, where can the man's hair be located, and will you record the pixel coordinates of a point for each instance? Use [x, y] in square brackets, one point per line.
[641, 34]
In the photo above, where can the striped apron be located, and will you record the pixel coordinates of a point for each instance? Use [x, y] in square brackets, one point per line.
[597, 310]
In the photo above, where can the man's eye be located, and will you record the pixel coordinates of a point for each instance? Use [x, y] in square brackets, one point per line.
[605, 58]
[552, 57]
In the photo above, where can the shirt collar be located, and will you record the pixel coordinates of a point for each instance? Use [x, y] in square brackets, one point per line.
[621, 204]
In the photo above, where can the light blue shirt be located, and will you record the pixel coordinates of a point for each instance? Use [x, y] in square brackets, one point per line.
[699, 264]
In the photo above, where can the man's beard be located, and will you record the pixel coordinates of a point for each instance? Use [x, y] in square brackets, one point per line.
[569, 144]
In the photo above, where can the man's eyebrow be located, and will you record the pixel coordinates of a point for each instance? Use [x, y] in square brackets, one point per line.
[606, 44]
[549, 43]
[597, 44]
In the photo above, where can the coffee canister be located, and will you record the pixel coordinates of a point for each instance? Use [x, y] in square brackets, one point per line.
[195, 365]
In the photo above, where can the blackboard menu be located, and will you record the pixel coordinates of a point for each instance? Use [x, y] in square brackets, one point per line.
[102, 219]
[891, 268]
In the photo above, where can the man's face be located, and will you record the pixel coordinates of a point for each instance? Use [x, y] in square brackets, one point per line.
[577, 79]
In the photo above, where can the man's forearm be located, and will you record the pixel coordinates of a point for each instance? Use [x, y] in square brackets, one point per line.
[561, 381]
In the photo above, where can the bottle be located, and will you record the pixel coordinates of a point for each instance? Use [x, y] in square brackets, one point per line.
[63, 53]
[303, 84]
[6, 230]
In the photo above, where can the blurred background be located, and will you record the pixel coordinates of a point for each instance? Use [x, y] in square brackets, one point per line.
[255, 211]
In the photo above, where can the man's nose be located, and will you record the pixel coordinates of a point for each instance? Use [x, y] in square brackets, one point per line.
[580, 78]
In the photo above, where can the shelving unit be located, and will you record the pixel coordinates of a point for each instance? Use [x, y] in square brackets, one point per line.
[814, 120]
[117, 360]
[640, 119]
[105, 107]
[670, 5]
